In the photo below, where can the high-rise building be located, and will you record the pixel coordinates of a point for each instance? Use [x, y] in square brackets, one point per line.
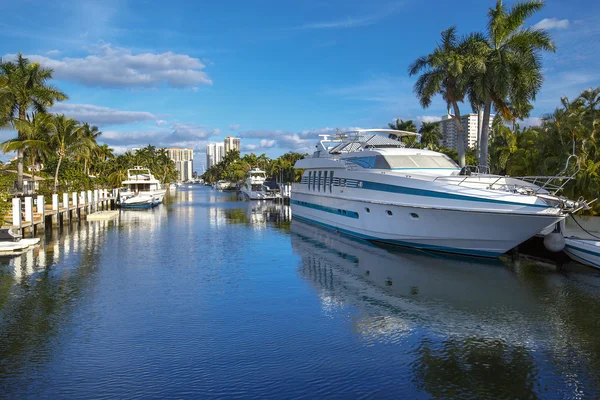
[184, 162]
[214, 153]
[470, 123]
[232, 143]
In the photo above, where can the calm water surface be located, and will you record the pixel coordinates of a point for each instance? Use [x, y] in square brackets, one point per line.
[209, 296]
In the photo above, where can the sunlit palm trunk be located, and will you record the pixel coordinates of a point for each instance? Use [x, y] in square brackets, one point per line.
[485, 135]
[60, 157]
[479, 127]
[20, 170]
[460, 137]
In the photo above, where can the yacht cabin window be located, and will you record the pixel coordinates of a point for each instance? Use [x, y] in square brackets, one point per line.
[309, 179]
[420, 161]
[330, 181]
[324, 181]
[319, 184]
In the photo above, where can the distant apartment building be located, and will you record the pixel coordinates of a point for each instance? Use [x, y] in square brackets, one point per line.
[449, 130]
[184, 162]
[214, 153]
[232, 143]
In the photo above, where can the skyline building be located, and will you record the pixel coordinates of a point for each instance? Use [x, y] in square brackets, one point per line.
[470, 123]
[232, 143]
[214, 153]
[184, 162]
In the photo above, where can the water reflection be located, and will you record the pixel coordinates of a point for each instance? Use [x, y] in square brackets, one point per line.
[484, 329]
[259, 214]
[39, 290]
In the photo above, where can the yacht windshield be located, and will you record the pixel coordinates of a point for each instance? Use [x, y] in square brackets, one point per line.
[419, 161]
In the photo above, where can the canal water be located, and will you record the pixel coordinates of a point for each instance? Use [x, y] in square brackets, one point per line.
[209, 296]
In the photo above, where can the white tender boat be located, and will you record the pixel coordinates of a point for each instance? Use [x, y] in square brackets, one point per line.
[585, 251]
[142, 190]
[372, 187]
[254, 187]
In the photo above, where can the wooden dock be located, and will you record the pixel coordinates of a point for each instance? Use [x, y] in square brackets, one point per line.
[33, 212]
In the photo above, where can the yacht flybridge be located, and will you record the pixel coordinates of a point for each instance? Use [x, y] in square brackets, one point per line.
[142, 189]
[367, 184]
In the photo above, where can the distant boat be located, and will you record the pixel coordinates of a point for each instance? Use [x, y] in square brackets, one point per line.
[254, 187]
[222, 185]
[142, 190]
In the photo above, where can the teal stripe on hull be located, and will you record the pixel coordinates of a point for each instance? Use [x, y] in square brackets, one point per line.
[331, 210]
[477, 253]
[573, 248]
[383, 187]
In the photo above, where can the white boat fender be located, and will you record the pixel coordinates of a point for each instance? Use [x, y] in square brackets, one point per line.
[554, 242]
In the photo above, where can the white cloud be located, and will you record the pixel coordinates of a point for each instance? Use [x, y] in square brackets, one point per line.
[552, 23]
[161, 122]
[350, 22]
[53, 52]
[97, 115]
[267, 143]
[234, 127]
[216, 131]
[429, 118]
[531, 121]
[118, 67]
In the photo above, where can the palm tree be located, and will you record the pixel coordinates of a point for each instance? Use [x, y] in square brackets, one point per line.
[90, 134]
[430, 135]
[446, 71]
[104, 153]
[66, 139]
[24, 86]
[513, 73]
[35, 134]
[401, 125]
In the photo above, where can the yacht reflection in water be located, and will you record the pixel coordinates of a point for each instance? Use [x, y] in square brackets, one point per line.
[260, 213]
[479, 324]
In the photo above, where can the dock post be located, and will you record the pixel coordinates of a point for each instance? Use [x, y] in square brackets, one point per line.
[96, 198]
[75, 206]
[66, 206]
[16, 213]
[29, 212]
[90, 199]
[81, 203]
[41, 209]
[55, 208]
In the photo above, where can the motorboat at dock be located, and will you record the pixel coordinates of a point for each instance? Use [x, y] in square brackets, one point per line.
[254, 188]
[142, 190]
[371, 186]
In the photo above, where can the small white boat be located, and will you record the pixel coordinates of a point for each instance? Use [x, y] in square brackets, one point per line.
[172, 186]
[16, 246]
[254, 187]
[143, 190]
[222, 185]
[585, 251]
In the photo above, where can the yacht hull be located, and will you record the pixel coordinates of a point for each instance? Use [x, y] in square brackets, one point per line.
[144, 200]
[467, 232]
[257, 195]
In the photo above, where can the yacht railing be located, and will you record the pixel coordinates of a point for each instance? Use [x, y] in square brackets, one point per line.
[537, 184]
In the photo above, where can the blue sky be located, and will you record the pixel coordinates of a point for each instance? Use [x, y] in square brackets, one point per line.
[274, 73]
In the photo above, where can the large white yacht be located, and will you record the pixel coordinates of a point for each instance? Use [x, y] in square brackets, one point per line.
[142, 189]
[254, 187]
[371, 186]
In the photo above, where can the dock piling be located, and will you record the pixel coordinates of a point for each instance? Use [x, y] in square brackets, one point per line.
[16, 213]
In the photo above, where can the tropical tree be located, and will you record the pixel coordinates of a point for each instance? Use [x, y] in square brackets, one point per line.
[90, 135]
[35, 133]
[513, 74]
[24, 86]
[430, 135]
[66, 139]
[401, 125]
[446, 71]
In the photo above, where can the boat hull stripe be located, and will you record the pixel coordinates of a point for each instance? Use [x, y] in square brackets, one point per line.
[383, 187]
[337, 211]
